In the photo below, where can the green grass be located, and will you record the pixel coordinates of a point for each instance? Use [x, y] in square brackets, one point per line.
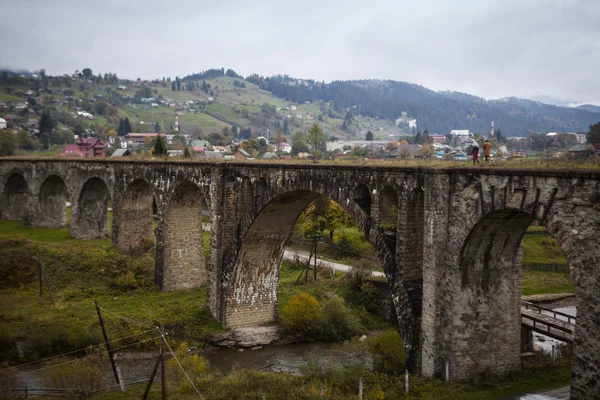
[342, 384]
[21, 229]
[543, 282]
[541, 248]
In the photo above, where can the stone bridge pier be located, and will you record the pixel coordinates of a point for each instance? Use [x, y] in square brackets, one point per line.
[448, 241]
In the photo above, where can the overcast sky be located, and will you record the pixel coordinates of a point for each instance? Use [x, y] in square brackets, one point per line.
[541, 49]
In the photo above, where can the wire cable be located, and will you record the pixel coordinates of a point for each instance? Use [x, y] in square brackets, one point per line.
[77, 359]
[178, 363]
[144, 324]
[77, 351]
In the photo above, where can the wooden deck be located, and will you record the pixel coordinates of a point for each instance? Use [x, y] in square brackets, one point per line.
[551, 323]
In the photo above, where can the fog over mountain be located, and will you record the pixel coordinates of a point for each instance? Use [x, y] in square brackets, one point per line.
[492, 49]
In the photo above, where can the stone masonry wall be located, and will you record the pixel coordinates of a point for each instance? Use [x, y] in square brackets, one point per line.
[472, 222]
[183, 253]
[136, 218]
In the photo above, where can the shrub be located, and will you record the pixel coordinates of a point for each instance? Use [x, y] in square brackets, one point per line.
[337, 321]
[300, 318]
[127, 281]
[194, 365]
[387, 349]
[360, 272]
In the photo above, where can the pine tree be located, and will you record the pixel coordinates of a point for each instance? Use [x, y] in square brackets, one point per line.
[127, 126]
[121, 128]
[160, 147]
[45, 128]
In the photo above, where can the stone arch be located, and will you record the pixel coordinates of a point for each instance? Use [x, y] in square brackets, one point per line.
[486, 319]
[362, 197]
[251, 293]
[136, 219]
[52, 198]
[16, 198]
[91, 215]
[183, 252]
[486, 326]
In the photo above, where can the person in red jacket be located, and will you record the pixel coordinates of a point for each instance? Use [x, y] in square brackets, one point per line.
[475, 152]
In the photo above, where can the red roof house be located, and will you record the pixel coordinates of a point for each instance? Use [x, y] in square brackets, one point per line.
[85, 147]
[72, 150]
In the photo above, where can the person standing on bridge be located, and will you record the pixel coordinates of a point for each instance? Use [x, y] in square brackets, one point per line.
[487, 150]
[475, 152]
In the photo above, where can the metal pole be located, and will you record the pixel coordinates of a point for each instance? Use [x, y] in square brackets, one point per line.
[110, 355]
[154, 370]
[315, 271]
[406, 381]
[40, 278]
[163, 374]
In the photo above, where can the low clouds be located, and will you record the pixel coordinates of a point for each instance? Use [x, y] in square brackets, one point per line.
[530, 48]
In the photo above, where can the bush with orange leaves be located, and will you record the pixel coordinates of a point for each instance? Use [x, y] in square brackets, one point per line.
[300, 318]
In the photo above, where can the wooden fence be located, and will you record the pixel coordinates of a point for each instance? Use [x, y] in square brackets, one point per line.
[550, 267]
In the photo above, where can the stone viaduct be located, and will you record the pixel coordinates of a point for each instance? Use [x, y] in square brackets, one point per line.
[448, 240]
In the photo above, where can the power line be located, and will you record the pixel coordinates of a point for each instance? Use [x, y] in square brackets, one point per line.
[78, 351]
[76, 359]
[144, 324]
[180, 366]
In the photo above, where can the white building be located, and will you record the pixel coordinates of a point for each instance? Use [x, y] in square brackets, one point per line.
[85, 114]
[461, 133]
[285, 147]
[2, 123]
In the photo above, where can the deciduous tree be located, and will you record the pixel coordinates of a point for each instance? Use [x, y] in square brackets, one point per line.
[316, 138]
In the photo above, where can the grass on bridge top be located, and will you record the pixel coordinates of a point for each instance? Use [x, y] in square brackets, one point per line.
[533, 164]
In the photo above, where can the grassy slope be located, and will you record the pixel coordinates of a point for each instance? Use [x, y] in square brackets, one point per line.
[83, 271]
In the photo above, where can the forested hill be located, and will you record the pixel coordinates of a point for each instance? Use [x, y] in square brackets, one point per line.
[437, 112]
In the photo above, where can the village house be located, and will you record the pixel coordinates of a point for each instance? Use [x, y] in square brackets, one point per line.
[85, 147]
[577, 150]
[2, 123]
[435, 138]
[241, 154]
[461, 133]
[84, 114]
[138, 139]
[284, 147]
[121, 153]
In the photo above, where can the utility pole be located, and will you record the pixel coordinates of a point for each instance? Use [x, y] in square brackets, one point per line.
[163, 374]
[110, 354]
[315, 250]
